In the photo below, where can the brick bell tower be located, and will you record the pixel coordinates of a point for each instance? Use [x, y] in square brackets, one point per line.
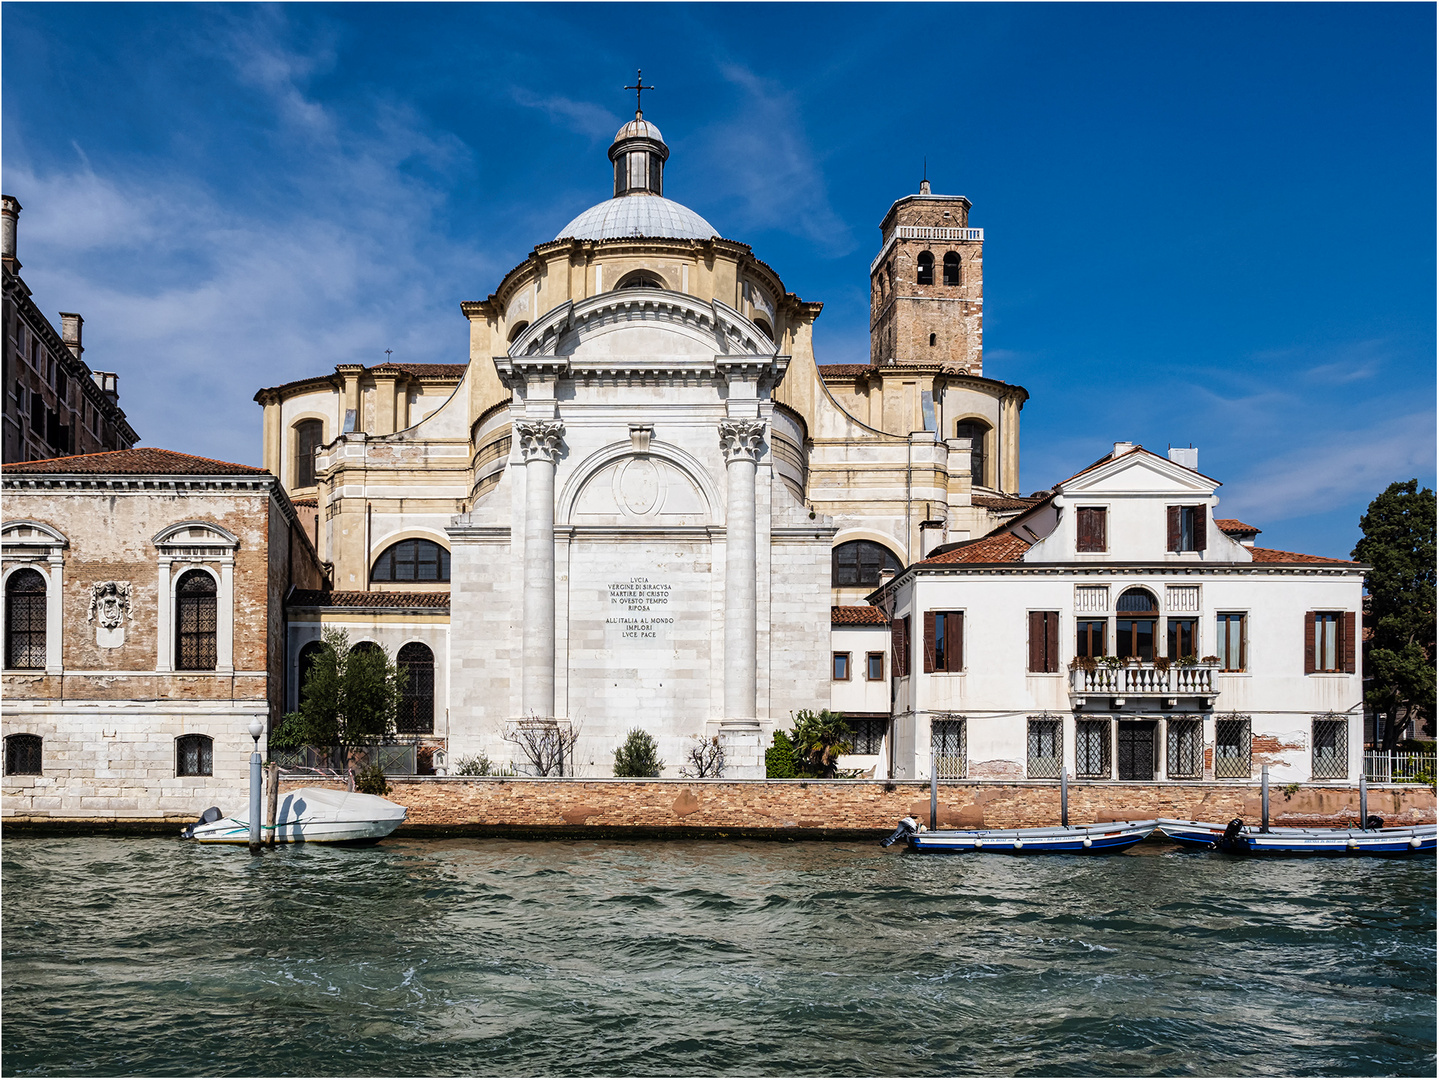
[927, 285]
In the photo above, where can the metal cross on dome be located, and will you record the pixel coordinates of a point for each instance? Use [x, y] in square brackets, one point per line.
[639, 87]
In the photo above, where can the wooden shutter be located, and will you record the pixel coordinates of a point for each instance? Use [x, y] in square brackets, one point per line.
[897, 647]
[1173, 528]
[1201, 527]
[1084, 529]
[929, 641]
[954, 631]
[1348, 643]
[1036, 640]
[1051, 641]
[1309, 643]
[1101, 529]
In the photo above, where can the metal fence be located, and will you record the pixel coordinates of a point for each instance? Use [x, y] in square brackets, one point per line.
[1399, 767]
[394, 759]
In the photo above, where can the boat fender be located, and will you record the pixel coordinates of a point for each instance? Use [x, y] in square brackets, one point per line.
[1414, 842]
[907, 827]
[1231, 833]
[1372, 822]
[1088, 842]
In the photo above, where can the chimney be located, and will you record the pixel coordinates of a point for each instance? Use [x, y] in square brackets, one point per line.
[1188, 456]
[71, 328]
[9, 218]
[109, 384]
[1121, 448]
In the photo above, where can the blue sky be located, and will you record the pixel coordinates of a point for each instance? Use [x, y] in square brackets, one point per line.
[1207, 224]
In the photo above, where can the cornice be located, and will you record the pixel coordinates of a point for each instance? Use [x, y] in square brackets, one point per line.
[137, 484]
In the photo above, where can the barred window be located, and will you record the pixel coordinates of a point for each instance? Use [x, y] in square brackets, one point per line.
[1331, 748]
[195, 622]
[1092, 749]
[417, 705]
[869, 733]
[948, 741]
[22, 755]
[25, 620]
[194, 755]
[1046, 747]
[1232, 748]
[412, 560]
[1185, 759]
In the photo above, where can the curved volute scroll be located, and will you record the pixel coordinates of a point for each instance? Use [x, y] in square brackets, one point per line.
[741, 439]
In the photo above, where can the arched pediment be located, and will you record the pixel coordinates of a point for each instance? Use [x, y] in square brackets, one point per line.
[31, 534]
[665, 487]
[190, 534]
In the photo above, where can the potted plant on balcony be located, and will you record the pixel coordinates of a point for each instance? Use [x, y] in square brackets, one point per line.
[1189, 660]
[1110, 662]
[1083, 663]
[1161, 663]
[1210, 661]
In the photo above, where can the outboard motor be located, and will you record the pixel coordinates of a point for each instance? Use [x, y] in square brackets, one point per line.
[1231, 835]
[907, 828]
[1372, 822]
[212, 814]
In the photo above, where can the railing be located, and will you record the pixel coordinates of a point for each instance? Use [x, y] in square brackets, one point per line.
[1399, 767]
[1144, 680]
[394, 759]
[924, 232]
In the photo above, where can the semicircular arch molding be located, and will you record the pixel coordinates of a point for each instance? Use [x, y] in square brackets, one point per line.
[884, 540]
[711, 327]
[682, 460]
[384, 543]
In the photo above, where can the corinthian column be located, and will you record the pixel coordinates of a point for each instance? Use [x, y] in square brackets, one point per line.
[540, 446]
[742, 442]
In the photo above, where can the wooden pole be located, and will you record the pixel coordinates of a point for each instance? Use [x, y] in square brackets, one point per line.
[1363, 802]
[274, 802]
[1064, 796]
[1264, 798]
[933, 789]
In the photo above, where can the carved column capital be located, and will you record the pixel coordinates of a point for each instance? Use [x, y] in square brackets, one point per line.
[539, 438]
[741, 439]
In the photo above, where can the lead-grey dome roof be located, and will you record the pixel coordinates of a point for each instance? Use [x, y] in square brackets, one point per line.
[638, 215]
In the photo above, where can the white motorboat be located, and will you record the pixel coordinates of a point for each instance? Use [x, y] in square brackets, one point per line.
[308, 815]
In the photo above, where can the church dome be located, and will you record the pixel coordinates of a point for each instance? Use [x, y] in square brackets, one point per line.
[638, 215]
[639, 128]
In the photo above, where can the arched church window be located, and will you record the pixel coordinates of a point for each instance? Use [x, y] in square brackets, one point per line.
[763, 324]
[518, 329]
[417, 705]
[309, 653]
[309, 435]
[932, 339]
[860, 562]
[951, 268]
[926, 269]
[973, 434]
[25, 620]
[412, 560]
[640, 281]
[196, 621]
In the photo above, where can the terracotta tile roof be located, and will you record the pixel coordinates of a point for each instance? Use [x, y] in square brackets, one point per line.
[133, 462]
[856, 616]
[308, 504]
[1009, 502]
[1000, 547]
[1234, 526]
[1269, 555]
[432, 371]
[354, 599]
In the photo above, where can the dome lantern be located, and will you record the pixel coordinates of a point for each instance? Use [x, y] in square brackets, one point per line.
[639, 152]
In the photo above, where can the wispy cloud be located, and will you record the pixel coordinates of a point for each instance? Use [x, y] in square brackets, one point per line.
[582, 117]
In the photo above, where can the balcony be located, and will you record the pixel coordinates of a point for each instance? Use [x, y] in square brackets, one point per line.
[1143, 680]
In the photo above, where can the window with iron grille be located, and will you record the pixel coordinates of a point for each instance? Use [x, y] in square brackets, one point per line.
[413, 560]
[1046, 747]
[195, 622]
[1232, 748]
[25, 620]
[194, 755]
[948, 741]
[417, 703]
[1092, 749]
[1331, 748]
[869, 733]
[22, 755]
[1185, 759]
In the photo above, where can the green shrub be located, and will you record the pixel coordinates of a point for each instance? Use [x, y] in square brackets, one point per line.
[638, 755]
[779, 758]
[481, 765]
[372, 781]
[289, 733]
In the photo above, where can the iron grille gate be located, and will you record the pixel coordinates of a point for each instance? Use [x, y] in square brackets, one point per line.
[949, 746]
[1136, 750]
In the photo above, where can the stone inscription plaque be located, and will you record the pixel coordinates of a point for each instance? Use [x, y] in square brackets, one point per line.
[639, 610]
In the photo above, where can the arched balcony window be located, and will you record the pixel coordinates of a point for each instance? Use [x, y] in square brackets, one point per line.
[951, 268]
[196, 622]
[417, 706]
[861, 562]
[25, 620]
[309, 437]
[194, 755]
[926, 269]
[1137, 614]
[412, 560]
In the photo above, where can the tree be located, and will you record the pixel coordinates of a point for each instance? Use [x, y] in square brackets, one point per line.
[352, 696]
[705, 758]
[638, 755]
[1399, 545]
[819, 739]
[545, 743]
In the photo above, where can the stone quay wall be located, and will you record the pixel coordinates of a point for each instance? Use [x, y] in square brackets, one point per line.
[821, 808]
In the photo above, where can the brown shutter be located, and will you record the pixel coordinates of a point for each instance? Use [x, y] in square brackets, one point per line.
[1201, 527]
[1348, 644]
[908, 652]
[1084, 529]
[1309, 643]
[1051, 641]
[1101, 529]
[1036, 640]
[1173, 528]
[928, 641]
[896, 647]
[956, 628]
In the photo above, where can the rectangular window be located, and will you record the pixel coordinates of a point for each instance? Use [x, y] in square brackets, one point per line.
[1092, 527]
[1044, 641]
[874, 666]
[869, 733]
[1230, 633]
[1183, 638]
[1232, 748]
[1134, 637]
[944, 641]
[1187, 528]
[1185, 759]
[1090, 637]
[1046, 748]
[1092, 749]
[841, 666]
[1325, 641]
[948, 743]
[1331, 749]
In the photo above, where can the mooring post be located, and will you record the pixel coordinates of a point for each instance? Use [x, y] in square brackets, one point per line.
[256, 730]
[272, 803]
[1064, 796]
[933, 789]
[1363, 802]
[1264, 798]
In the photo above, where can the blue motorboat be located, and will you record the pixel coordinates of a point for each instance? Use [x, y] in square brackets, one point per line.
[1099, 839]
[1238, 838]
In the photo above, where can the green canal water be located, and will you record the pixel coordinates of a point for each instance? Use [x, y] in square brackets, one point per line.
[462, 957]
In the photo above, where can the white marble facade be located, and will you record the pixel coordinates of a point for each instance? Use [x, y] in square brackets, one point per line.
[640, 563]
